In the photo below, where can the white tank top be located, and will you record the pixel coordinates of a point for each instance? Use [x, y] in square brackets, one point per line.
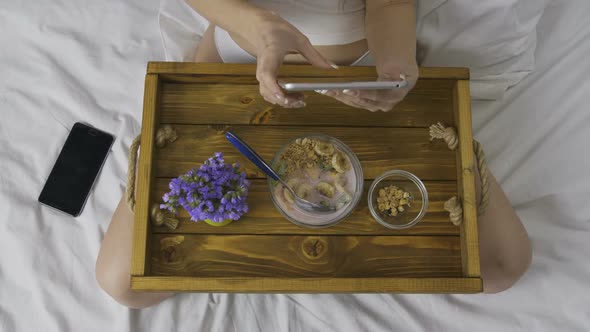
[324, 22]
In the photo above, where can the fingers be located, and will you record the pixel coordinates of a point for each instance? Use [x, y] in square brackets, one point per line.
[380, 100]
[313, 56]
[350, 99]
[267, 68]
[393, 96]
[377, 100]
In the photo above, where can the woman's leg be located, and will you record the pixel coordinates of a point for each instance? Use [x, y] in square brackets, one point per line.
[113, 264]
[114, 259]
[504, 247]
[207, 51]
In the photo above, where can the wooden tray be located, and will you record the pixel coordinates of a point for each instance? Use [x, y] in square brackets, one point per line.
[264, 252]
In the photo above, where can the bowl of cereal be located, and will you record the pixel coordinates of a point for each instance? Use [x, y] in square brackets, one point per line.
[322, 170]
[398, 199]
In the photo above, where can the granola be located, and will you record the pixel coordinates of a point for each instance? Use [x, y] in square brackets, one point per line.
[393, 200]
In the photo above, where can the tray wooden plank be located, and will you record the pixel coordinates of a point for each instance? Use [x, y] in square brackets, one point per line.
[308, 285]
[378, 149]
[238, 102]
[141, 226]
[307, 256]
[466, 182]
[235, 69]
[264, 218]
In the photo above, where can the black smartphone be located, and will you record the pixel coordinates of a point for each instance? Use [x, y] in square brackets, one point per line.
[76, 169]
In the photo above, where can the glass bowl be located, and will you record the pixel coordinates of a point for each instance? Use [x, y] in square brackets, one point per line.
[303, 218]
[407, 182]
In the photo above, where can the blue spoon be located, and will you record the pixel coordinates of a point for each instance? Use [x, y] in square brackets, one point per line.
[247, 151]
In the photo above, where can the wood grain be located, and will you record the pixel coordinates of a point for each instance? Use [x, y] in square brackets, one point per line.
[235, 102]
[308, 285]
[227, 69]
[141, 231]
[378, 149]
[264, 218]
[466, 176]
[306, 256]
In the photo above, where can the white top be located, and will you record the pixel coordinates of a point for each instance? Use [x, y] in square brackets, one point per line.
[324, 22]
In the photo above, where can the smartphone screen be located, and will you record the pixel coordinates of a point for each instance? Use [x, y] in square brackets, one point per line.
[76, 169]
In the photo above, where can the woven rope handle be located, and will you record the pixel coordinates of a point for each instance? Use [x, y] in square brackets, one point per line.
[159, 217]
[453, 205]
[484, 172]
[131, 173]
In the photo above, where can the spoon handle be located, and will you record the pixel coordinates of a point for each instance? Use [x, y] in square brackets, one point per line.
[247, 151]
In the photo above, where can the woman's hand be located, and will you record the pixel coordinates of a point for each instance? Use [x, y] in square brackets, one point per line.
[381, 100]
[272, 38]
[390, 28]
[267, 36]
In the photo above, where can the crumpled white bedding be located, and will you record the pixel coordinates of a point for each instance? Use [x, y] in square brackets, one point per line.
[69, 61]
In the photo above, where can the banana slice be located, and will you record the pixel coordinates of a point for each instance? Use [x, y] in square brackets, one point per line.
[340, 163]
[293, 183]
[288, 196]
[343, 200]
[313, 173]
[326, 189]
[303, 190]
[323, 148]
[340, 188]
[333, 175]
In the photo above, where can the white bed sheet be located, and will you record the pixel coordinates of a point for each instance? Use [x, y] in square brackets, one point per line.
[69, 61]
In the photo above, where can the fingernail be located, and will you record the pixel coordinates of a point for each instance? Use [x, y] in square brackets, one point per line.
[402, 76]
[349, 92]
[321, 91]
[299, 103]
[333, 65]
[282, 100]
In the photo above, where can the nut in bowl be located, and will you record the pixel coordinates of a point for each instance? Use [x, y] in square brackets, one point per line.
[398, 199]
[322, 170]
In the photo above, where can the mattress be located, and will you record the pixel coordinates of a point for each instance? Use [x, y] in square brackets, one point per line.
[68, 61]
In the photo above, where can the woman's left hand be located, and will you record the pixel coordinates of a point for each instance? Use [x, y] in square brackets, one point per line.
[380, 100]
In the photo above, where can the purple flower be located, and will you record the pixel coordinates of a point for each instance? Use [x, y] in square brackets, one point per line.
[215, 191]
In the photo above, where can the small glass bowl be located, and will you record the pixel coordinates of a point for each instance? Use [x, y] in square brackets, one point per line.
[313, 220]
[418, 199]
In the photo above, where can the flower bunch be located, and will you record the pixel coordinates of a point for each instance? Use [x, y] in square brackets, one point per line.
[216, 191]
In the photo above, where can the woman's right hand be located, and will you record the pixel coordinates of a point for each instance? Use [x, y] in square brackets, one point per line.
[268, 36]
[272, 38]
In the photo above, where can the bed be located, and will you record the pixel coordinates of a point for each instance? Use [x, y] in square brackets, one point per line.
[70, 61]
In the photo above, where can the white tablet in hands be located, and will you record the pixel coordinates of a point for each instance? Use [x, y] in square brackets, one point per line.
[372, 85]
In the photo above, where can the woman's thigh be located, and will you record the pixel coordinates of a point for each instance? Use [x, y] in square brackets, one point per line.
[207, 51]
